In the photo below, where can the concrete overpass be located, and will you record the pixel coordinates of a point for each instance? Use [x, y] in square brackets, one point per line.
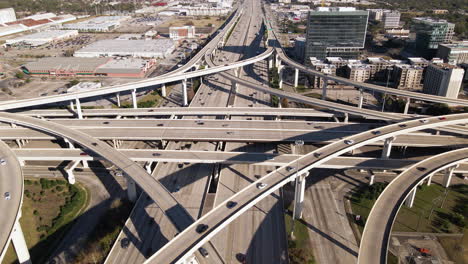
[189, 240]
[376, 235]
[11, 191]
[317, 136]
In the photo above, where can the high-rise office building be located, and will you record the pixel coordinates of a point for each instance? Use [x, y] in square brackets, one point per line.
[431, 32]
[335, 32]
[443, 80]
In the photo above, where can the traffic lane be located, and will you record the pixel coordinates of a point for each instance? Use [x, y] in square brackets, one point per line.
[235, 135]
[375, 238]
[11, 192]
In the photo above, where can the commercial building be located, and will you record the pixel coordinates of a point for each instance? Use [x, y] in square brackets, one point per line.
[376, 14]
[418, 61]
[397, 33]
[319, 65]
[151, 48]
[13, 29]
[335, 32]
[97, 24]
[131, 68]
[7, 15]
[89, 67]
[431, 32]
[456, 53]
[299, 46]
[443, 80]
[41, 38]
[379, 68]
[407, 76]
[391, 19]
[358, 72]
[184, 32]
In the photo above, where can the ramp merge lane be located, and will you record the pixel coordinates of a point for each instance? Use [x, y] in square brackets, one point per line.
[376, 235]
[190, 240]
[161, 196]
[11, 182]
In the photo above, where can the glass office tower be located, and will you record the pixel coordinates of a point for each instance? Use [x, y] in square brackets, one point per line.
[335, 32]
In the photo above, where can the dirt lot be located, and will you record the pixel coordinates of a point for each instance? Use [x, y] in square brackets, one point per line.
[197, 21]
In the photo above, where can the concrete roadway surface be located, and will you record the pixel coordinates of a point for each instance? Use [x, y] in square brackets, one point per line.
[259, 233]
[376, 235]
[232, 135]
[189, 183]
[11, 192]
[188, 240]
[171, 109]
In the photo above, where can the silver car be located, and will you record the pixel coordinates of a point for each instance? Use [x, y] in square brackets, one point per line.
[7, 196]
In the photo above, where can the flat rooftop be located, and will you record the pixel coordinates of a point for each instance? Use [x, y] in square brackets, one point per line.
[128, 46]
[65, 64]
[45, 34]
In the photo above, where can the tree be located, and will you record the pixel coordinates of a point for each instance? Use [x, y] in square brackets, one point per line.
[19, 75]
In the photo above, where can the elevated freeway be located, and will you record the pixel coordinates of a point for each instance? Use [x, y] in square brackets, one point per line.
[376, 235]
[11, 192]
[189, 240]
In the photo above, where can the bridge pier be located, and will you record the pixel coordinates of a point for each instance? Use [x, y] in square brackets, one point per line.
[78, 108]
[148, 166]
[184, 92]
[296, 77]
[324, 89]
[117, 97]
[371, 179]
[387, 148]
[410, 198]
[69, 170]
[361, 98]
[163, 90]
[299, 195]
[270, 62]
[429, 180]
[131, 189]
[407, 105]
[19, 243]
[72, 107]
[134, 99]
[280, 76]
[448, 176]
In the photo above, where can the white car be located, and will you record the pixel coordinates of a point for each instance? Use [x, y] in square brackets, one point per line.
[424, 121]
[261, 185]
[349, 142]
[2, 162]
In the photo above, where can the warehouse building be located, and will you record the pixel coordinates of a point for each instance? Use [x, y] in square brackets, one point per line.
[89, 67]
[7, 15]
[41, 38]
[97, 24]
[152, 48]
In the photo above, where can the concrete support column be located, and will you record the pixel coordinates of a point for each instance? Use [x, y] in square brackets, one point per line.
[410, 199]
[429, 180]
[299, 195]
[296, 77]
[280, 76]
[324, 89]
[270, 62]
[148, 166]
[387, 148]
[78, 108]
[346, 118]
[69, 170]
[18, 142]
[277, 60]
[361, 98]
[72, 107]
[163, 90]
[184, 92]
[448, 176]
[131, 189]
[19, 243]
[117, 96]
[279, 102]
[407, 105]
[371, 179]
[134, 99]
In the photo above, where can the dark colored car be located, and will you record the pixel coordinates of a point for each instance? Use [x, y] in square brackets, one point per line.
[231, 204]
[201, 228]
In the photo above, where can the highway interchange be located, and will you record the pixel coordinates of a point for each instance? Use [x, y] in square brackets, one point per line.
[230, 138]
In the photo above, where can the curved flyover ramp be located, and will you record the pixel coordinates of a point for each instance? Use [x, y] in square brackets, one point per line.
[11, 181]
[190, 240]
[160, 195]
[374, 241]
